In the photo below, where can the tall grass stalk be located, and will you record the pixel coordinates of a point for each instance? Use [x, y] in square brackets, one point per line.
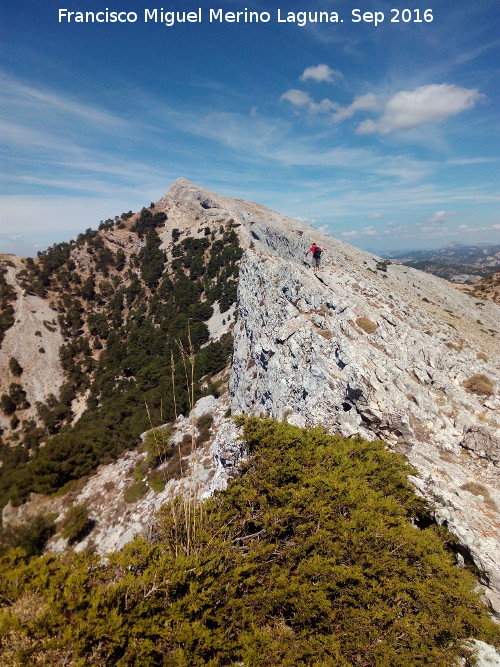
[172, 370]
[184, 511]
[188, 362]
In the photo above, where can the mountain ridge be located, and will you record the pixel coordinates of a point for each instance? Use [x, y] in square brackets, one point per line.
[363, 347]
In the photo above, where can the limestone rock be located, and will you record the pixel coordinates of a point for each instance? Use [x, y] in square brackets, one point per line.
[483, 442]
[34, 340]
[303, 351]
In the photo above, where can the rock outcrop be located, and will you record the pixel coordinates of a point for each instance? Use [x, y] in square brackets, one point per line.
[371, 348]
[33, 340]
[116, 521]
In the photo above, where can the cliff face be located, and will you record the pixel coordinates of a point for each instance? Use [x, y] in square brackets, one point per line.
[363, 347]
[371, 348]
[33, 340]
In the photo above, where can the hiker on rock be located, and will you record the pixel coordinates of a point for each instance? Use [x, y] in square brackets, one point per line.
[316, 255]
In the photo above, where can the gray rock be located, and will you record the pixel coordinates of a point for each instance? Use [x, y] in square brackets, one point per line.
[483, 442]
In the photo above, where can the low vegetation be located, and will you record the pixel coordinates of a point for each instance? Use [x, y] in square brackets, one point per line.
[76, 524]
[366, 324]
[312, 557]
[479, 384]
[15, 367]
[30, 535]
[7, 298]
[136, 491]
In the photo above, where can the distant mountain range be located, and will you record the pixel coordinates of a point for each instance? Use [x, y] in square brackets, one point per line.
[455, 262]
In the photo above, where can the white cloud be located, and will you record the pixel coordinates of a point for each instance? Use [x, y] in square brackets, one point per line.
[11, 237]
[368, 102]
[325, 106]
[439, 217]
[299, 98]
[375, 216]
[366, 231]
[321, 73]
[296, 97]
[426, 104]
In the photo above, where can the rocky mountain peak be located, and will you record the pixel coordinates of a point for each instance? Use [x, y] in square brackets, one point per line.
[362, 347]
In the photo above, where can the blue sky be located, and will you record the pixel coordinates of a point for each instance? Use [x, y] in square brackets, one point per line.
[384, 136]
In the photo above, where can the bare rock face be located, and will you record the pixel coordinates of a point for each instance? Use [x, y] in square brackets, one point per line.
[371, 348]
[34, 341]
[373, 353]
[482, 441]
[367, 347]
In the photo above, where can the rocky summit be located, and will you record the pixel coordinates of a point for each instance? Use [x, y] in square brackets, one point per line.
[362, 347]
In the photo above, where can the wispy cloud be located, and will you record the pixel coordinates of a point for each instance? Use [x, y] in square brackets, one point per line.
[21, 96]
[365, 231]
[439, 217]
[11, 237]
[368, 102]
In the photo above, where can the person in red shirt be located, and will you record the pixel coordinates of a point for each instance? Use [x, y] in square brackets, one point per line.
[316, 251]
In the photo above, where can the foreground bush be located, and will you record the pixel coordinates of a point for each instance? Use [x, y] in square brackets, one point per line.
[310, 558]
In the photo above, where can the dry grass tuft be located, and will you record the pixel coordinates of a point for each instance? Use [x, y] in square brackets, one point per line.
[479, 384]
[366, 324]
[479, 489]
[325, 334]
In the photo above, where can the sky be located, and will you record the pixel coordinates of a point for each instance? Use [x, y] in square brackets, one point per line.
[379, 126]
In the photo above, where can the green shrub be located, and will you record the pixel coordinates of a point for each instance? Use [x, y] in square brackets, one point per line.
[7, 297]
[18, 396]
[15, 367]
[76, 524]
[157, 483]
[133, 493]
[31, 536]
[7, 405]
[310, 558]
[158, 445]
[382, 264]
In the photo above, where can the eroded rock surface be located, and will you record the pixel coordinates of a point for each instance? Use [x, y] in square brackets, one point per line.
[34, 341]
[371, 348]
